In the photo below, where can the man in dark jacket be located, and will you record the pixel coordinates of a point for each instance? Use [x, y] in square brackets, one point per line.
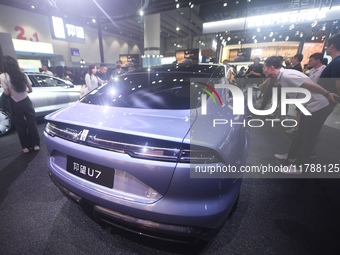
[296, 62]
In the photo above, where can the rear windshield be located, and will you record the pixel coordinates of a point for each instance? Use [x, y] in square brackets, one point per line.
[154, 90]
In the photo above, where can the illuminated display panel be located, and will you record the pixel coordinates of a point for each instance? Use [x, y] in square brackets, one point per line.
[63, 30]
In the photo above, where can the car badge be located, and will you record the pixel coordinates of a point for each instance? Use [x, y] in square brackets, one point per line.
[84, 134]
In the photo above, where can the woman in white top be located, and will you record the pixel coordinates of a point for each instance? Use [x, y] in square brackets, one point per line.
[17, 85]
[91, 80]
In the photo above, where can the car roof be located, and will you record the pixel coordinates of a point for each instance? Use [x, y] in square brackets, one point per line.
[189, 68]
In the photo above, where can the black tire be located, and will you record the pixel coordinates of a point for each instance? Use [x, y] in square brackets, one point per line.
[6, 124]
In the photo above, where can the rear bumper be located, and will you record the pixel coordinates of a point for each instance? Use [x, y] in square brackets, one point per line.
[156, 230]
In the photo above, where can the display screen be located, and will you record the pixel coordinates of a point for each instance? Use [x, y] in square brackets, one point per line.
[66, 31]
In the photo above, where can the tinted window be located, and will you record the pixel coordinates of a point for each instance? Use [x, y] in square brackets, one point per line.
[46, 81]
[154, 90]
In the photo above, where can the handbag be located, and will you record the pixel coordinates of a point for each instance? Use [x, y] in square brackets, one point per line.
[83, 90]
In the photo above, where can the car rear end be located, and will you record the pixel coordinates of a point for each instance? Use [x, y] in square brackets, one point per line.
[127, 161]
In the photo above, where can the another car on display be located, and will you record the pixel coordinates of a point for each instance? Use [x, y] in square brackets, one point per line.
[135, 152]
[49, 94]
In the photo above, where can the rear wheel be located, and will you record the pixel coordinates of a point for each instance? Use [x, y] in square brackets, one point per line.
[6, 123]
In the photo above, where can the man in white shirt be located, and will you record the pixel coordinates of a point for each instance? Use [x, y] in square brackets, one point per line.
[46, 71]
[309, 125]
[315, 61]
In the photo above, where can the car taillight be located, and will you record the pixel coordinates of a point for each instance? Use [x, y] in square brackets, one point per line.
[135, 146]
[197, 154]
[53, 129]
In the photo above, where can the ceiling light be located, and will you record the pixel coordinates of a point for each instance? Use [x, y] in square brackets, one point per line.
[93, 20]
[237, 2]
[141, 12]
[32, 7]
[225, 4]
[177, 6]
[177, 28]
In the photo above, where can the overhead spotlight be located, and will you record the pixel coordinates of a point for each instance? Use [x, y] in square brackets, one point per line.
[141, 12]
[93, 20]
[225, 4]
[177, 6]
[237, 2]
[32, 7]
[248, 1]
[192, 6]
[177, 28]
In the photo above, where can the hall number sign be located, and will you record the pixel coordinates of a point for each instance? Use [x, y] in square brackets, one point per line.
[22, 36]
